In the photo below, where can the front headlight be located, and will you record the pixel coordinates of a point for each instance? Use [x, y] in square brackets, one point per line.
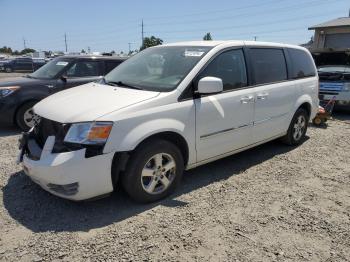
[89, 133]
[7, 90]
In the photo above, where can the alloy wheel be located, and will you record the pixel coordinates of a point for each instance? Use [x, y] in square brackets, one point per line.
[158, 173]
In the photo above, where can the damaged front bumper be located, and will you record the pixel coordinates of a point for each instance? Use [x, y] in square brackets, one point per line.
[70, 175]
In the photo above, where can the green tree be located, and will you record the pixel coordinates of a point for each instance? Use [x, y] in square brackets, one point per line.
[6, 50]
[151, 41]
[82, 51]
[207, 37]
[27, 50]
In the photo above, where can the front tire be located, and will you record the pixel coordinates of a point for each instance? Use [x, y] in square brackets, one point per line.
[297, 128]
[25, 117]
[153, 172]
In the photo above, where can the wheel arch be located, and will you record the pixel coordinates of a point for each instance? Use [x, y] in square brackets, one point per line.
[22, 104]
[121, 159]
[304, 102]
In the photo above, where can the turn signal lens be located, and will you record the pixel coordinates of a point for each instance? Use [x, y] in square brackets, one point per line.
[99, 132]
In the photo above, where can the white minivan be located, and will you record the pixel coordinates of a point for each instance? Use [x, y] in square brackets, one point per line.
[168, 109]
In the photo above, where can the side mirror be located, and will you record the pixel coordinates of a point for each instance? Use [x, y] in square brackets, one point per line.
[64, 78]
[210, 85]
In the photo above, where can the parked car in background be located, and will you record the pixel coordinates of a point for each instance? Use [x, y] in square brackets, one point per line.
[18, 95]
[166, 109]
[25, 64]
[334, 73]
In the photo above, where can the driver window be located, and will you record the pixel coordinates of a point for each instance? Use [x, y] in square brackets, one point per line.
[84, 69]
[230, 68]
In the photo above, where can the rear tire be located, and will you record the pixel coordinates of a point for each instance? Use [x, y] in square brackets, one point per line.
[153, 171]
[25, 116]
[8, 70]
[297, 128]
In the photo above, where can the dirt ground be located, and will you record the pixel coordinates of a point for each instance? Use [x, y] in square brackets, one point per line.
[271, 203]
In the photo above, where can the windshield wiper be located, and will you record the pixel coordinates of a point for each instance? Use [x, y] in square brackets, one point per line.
[122, 84]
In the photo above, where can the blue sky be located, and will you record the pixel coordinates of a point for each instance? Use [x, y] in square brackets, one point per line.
[107, 25]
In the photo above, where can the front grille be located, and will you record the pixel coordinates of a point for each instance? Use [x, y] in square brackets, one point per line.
[48, 128]
[67, 190]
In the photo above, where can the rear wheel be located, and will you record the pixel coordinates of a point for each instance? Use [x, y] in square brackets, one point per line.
[297, 128]
[8, 69]
[25, 117]
[153, 172]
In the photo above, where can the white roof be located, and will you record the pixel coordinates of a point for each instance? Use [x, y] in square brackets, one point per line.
[212, 43]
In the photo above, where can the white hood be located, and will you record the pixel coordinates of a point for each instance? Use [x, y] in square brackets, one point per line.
[89, 102]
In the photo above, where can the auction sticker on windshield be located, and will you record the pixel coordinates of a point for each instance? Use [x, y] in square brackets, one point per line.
[193, 53]
[62, 63]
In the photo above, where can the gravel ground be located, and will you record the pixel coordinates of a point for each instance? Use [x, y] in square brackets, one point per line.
[271, 203]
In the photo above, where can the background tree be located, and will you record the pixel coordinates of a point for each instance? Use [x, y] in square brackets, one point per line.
[27, 50]
[82, 51]
[151, 41]
[6, 50]
[207, 37]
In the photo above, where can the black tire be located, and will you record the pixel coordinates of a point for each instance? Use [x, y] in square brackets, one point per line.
[19, 118]
[8, 70]
[132, 178]
[289, 138]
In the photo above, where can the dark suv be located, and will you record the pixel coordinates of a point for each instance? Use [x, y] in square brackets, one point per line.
[18, 95]
[27, 64]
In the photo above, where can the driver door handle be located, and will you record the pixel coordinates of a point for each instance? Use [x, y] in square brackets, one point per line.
[262, 96]
[247, 99]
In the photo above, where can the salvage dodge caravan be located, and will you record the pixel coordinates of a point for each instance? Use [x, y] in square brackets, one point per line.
[167, 109]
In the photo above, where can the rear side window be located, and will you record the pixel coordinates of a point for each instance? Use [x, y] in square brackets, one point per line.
[230, 68]
[84, 69]
[110, 65]
[269, 65]
[302, 64]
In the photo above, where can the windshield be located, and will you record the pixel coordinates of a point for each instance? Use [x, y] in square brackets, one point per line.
[334, 69]
[157, 69]
[51, 69]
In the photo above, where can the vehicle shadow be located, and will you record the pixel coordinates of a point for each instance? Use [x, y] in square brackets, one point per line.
[9, 131]
[40, 211]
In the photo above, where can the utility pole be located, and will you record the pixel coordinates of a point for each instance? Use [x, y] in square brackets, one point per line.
[130, 47]
[24, 43]
[142, 33]
[65, 41]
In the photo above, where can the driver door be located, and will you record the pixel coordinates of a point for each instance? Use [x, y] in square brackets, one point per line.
[224, 121]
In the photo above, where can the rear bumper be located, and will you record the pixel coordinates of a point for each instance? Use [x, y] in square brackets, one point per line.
[70, 175]
[340, 96]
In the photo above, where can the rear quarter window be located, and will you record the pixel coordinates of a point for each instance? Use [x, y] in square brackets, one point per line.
[302, 64]
[269, 65]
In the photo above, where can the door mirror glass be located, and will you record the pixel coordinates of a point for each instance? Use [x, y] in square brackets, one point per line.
[210, 85]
